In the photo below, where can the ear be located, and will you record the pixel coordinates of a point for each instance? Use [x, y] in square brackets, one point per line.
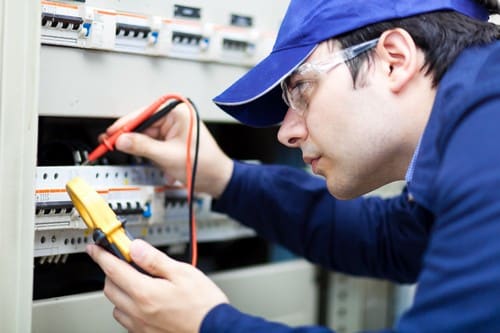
[398, 53]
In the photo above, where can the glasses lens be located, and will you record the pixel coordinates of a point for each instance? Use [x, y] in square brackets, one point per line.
[284, 93]
[294, 97]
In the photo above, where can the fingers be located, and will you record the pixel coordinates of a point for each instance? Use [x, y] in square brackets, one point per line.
[170, 303]
[122, 121]
[133, 324]
[120, 272]
[165, 144]
[152, 260]
[120, 298]
[178, 115]
[124, 320]
[169, 156]
[139, 145]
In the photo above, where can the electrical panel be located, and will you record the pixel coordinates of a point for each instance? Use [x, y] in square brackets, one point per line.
[151, 210]
[105, 58]
[186, 31]
[98, 47]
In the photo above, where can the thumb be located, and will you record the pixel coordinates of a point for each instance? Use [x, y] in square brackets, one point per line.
[151, 260]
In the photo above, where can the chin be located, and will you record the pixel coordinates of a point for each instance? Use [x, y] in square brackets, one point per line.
[344, 190]
[343, 195]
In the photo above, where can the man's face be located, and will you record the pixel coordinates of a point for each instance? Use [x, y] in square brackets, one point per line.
[355, 137]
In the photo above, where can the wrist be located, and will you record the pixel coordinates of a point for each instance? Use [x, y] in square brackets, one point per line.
[220, 178]
[213, 178]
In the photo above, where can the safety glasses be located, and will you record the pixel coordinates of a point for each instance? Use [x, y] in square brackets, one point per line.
[299, 86]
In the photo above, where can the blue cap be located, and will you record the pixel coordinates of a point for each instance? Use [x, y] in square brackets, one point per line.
[255, 99]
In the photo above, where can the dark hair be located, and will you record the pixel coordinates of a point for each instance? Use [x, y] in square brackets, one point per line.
[493, 6]
[440, 35]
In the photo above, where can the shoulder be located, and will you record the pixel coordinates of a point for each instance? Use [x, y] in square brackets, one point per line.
[473, 67]
[468, 97]
[472, 79]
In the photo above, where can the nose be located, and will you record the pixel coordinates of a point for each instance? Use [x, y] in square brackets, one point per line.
[292, 130]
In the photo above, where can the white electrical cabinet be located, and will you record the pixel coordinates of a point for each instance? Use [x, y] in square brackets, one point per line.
[19, 54]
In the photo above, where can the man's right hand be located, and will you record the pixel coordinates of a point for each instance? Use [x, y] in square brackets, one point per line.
[165, 144]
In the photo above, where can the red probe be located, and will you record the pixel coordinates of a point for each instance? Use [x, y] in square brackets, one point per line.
[108, 143]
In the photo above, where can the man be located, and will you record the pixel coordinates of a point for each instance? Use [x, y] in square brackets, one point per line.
[376, 91]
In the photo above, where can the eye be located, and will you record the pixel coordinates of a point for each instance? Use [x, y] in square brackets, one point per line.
[303, 85]
[302, 90]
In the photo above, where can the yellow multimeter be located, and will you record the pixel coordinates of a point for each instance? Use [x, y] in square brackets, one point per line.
[107, 230]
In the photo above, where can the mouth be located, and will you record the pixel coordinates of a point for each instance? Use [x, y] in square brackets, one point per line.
[313, 161]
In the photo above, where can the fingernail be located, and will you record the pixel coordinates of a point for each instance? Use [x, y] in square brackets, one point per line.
[137, 250]
[89, 250]
[123, 142]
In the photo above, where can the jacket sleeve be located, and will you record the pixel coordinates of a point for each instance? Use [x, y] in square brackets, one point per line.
[224, 318]
[369, 237]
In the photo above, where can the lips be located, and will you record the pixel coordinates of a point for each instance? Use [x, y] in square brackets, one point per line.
[313, 161]
[314, 165]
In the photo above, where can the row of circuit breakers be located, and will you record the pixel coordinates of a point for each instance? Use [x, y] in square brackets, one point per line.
[184, 35]
[153, 211]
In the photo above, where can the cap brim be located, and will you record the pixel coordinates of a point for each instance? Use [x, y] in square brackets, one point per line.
[255, 99]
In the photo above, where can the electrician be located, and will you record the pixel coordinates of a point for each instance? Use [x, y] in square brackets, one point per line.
[371, 92]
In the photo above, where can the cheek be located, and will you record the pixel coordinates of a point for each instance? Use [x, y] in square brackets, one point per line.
[342, 116]
[330, 110]
[348, 140]
[324, 117]
[335, 128]
[323, 129]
